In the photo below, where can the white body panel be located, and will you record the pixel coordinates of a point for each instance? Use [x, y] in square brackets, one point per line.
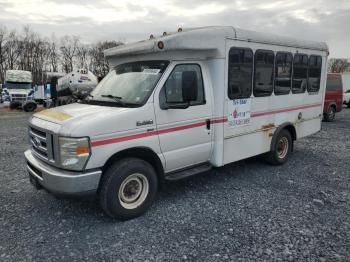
[180, 137]
[189, 146]
[266, 113]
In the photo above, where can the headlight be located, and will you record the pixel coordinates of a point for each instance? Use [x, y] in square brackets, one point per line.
[74, 152]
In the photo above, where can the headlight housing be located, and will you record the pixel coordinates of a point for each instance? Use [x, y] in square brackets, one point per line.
[74, 152]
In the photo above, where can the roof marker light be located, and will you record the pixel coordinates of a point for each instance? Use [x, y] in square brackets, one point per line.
[160, 45]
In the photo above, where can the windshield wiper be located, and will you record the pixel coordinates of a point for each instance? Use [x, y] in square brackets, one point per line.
[118, 98]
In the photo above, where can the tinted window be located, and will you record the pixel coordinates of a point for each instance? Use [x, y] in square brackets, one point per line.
[263, 76]
[172, 90]
[240, 70]
[333, 84]
[315, 66]
[300, 66]
[283, 73]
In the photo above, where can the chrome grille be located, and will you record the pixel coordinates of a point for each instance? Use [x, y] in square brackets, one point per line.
[41, 143]
[18, 97]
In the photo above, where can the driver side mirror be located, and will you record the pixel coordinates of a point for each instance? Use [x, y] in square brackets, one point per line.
[189, 86]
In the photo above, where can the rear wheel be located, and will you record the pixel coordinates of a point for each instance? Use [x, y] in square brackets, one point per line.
[128, 188]
[281, 149]
[330, 115]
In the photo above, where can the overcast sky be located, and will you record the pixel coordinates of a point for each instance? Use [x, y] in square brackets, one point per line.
[94, 20]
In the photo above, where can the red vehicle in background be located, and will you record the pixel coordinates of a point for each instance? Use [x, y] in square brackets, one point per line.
[333, 101]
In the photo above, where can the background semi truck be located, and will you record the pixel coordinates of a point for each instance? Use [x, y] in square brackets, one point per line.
[42, 93]
[73, 86]
[18, 90]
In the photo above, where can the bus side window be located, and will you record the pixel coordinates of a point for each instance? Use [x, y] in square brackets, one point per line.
[283, 73]
[240, 71]
[263, 75]
[300, 68]
[315, 66]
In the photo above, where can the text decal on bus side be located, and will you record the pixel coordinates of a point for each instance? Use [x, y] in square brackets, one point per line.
[238, 112]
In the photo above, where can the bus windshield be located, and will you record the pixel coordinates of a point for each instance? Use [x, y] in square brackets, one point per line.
[129, 84]
[18, 85]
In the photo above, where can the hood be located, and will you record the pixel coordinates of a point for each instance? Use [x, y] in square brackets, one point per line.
[93, 120]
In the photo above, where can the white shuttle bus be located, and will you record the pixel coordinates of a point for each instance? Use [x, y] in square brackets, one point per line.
[175, 106]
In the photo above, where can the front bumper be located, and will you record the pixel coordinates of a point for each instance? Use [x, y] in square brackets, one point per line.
[59, 181]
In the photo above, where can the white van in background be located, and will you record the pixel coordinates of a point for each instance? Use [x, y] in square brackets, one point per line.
[346, 88]
[176, 106]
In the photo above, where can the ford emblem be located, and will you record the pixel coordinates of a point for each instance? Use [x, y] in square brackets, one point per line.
[36, 142]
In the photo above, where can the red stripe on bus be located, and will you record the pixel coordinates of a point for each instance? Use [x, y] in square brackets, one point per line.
[283, 110]
[218, 121]
[194, 125]
[153, 133]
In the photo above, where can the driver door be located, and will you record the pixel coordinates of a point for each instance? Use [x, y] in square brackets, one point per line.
[185, 135]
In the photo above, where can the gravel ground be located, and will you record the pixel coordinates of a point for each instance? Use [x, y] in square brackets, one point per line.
[244, 211]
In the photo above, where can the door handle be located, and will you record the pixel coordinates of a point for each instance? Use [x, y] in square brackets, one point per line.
[208, 123]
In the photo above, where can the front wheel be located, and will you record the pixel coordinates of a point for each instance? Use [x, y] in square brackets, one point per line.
[281, 149]
[30, 107]
[128, 188]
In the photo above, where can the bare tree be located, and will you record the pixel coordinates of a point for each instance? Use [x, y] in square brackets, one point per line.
[69, 48]
[3, 32]
[83, 56]
[99, 65]
[29, 51]
[336, 65]
[12, 50]
[53, 55]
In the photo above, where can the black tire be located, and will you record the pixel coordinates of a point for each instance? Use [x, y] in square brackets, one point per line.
[112, 181]
[330, 115]
[278, 156]
[30, 107]
[13, 105]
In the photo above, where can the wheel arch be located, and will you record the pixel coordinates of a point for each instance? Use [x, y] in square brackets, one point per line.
[143, 153]
[288, 126]
[332, 105]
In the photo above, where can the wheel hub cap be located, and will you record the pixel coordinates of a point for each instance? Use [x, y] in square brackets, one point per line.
[282, 147]
[133, 191]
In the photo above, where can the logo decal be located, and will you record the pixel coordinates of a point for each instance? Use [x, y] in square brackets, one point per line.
[36, 142]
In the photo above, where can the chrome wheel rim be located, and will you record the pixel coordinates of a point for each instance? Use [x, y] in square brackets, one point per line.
[282, 147]
[133, 191]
